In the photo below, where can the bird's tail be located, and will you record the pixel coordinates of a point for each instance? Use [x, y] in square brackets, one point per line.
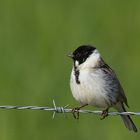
[126, 118]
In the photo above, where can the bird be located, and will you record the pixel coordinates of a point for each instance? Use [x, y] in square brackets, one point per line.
[93, 82]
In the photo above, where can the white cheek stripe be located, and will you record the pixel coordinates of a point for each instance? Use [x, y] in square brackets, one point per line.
[76, 63]
[91, 61]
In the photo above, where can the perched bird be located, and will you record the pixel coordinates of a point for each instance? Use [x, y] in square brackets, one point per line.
[93, 82]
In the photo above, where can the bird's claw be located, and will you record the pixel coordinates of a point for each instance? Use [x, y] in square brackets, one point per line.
[104, 114]
[75, 112]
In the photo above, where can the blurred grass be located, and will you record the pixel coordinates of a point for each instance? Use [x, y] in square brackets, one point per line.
[35, 37]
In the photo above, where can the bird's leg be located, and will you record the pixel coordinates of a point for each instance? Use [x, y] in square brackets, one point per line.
[104, 113]
[75, 111]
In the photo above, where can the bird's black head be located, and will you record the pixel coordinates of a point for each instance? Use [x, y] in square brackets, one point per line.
[82, 53]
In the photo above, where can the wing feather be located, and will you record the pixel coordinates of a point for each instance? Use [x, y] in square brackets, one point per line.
[114, 81]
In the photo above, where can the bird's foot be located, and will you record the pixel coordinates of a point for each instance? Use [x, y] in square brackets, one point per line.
[104, 114]
[75, 111]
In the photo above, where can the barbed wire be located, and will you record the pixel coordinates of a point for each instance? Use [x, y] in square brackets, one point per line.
[64, 110]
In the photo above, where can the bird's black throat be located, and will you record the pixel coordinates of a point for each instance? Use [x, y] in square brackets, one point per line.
[76, 73]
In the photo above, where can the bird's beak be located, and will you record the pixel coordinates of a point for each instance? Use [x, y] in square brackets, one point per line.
[70, 55]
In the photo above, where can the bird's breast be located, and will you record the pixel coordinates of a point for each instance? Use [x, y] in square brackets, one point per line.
[91, 89]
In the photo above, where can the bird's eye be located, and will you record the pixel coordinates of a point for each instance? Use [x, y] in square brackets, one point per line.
[78, 55]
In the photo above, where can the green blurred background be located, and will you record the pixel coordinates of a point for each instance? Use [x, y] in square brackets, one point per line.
[35, 37]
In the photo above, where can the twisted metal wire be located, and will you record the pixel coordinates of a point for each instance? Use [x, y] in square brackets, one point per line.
[64, 110]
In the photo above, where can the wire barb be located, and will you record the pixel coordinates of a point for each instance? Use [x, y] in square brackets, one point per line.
[58, 109]
[65, 110]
